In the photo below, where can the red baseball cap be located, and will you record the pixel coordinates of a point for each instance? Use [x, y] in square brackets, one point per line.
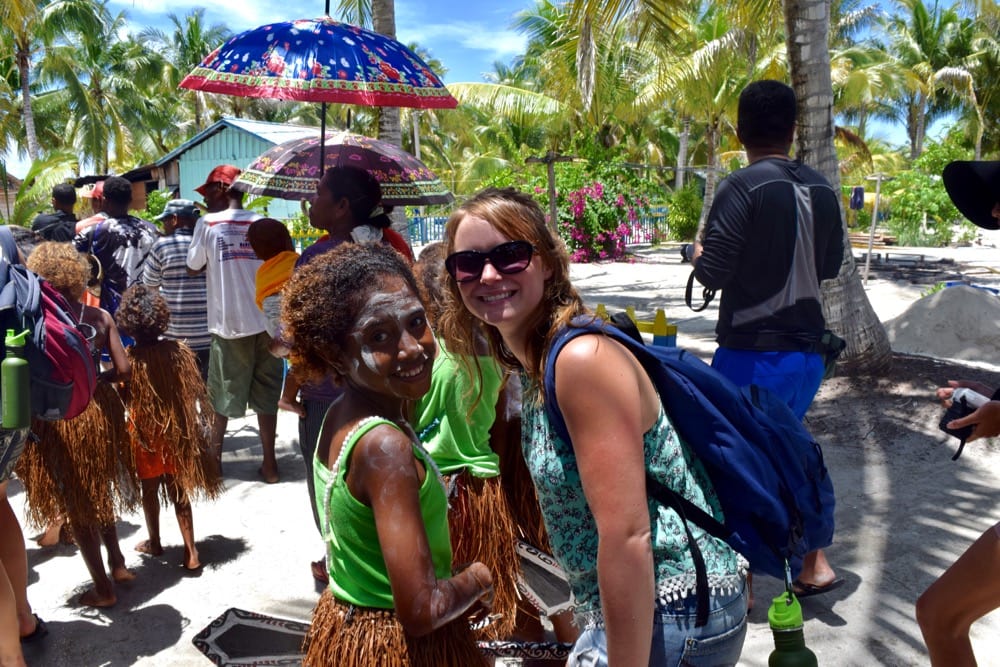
[224, 173]
[97, 192]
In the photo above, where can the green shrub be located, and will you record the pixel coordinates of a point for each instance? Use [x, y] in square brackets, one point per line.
[684, 210]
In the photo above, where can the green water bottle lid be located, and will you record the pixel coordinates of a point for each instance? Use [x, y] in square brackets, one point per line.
[16, 339]
[785, 613]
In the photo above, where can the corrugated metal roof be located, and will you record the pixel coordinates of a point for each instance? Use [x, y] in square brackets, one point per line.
[274, 133]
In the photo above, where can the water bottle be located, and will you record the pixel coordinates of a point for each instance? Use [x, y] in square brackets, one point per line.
[15, 392]
[785, 618]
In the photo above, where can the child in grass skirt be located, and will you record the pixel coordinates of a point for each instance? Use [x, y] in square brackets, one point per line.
[392, 600]
[82, 468]
[168, 420]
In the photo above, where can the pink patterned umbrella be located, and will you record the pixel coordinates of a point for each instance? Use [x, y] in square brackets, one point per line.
[291, 170]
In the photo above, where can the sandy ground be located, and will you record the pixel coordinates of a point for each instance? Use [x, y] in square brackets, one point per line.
[905, 511]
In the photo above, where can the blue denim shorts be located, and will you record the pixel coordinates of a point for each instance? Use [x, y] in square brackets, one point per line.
[676, 640]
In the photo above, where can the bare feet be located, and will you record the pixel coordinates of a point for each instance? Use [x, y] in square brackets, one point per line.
[269, 476]
[122, 573]
[92, 598]
[50, 537]
[149, 547]
[191, 561]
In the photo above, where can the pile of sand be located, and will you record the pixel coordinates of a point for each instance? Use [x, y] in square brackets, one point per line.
[961, 323]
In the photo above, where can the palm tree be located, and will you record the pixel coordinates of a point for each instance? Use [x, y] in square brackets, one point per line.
[845, 304]
[29, 25]
[104, 83]
[865, 80]
[183, 50]
[703, 82]
[934, 46]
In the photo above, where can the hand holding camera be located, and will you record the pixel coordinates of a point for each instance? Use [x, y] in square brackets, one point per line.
[964, 402]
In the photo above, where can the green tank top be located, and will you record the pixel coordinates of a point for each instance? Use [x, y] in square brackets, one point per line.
[454, 438]
[354, 559]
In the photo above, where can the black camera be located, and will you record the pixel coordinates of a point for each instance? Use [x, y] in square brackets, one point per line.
[959, 408]
[687, 252]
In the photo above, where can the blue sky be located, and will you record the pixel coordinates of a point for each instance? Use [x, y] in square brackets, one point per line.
[467, 36]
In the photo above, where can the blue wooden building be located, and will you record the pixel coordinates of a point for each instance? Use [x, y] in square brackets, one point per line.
[229, 141]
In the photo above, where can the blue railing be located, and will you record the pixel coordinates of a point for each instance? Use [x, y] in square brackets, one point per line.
[427, 229]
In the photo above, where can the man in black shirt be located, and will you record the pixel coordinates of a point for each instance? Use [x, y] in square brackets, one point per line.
[774, 232]
[59, 225]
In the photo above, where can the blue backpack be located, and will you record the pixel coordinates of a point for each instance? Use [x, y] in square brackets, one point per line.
[767, 470]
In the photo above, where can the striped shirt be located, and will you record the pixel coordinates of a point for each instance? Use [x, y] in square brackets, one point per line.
[166, 268]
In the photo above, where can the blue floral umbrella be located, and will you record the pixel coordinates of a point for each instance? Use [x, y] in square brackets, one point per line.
[320, 60]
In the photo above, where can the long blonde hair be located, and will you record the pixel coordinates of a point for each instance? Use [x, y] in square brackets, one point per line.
[518, 217]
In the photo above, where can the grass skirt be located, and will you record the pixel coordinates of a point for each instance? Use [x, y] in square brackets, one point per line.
[482, 530]
[348, 636]
[170, 416]
[82, 467]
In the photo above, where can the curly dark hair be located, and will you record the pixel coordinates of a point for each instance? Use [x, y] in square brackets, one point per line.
[117, 189]
[322, 300]
[143, 314]
[59, 263]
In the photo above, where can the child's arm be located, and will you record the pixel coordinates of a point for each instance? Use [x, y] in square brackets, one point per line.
[290, 395]
[121, 368]
[384, 475]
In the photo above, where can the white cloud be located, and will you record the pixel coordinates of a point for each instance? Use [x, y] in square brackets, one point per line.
[469, 35]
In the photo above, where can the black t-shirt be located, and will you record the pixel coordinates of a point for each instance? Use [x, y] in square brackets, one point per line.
[56, 226]
[765, 220]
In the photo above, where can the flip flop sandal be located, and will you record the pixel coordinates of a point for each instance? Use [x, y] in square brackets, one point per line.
[804, 590]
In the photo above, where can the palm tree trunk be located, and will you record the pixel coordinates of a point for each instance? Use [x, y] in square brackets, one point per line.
[845, 304]
[384, 22]
[682, 152]
[28, 113]
[920, 128]
[711, 152]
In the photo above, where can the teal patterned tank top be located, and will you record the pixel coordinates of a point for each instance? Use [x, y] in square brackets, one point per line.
[573, 532]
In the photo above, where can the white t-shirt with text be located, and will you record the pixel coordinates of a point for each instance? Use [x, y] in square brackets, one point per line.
[220, 246]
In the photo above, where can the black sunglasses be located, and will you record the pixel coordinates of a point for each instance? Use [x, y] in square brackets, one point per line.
[507, 258]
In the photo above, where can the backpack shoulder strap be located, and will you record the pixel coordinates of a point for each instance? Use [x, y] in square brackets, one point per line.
[664, 495]
[8, 247]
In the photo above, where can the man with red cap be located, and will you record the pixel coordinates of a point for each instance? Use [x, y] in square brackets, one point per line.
[96, 197]
[241, 369]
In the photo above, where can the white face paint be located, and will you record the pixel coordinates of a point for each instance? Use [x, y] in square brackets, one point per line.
[391, 339]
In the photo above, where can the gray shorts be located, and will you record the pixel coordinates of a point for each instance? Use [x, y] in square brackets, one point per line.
[242, 372]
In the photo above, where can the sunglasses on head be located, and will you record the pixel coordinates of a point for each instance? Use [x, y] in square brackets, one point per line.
[507, 258]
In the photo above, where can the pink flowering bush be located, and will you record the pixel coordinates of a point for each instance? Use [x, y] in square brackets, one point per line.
[599, 205]
[597, 221]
